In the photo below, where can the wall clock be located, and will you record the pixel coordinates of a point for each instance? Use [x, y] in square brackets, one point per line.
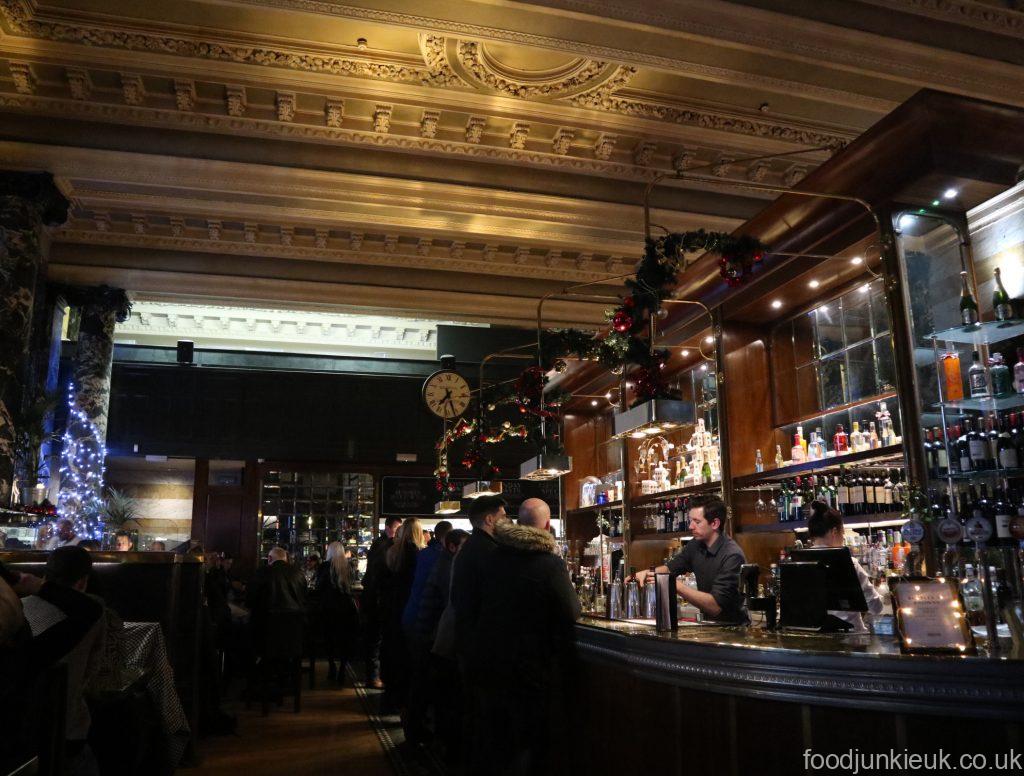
[446, 394]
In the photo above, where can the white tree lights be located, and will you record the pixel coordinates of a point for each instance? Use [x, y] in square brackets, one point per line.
[82, 468]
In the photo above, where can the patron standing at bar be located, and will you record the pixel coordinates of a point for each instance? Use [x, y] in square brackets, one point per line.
[715, 561]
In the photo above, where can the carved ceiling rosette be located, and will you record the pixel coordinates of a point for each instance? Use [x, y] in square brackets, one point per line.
[513, 72]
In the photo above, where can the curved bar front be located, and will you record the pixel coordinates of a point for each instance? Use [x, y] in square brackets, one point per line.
[732, 700]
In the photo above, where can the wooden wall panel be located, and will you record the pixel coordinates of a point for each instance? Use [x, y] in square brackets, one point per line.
[748, 388]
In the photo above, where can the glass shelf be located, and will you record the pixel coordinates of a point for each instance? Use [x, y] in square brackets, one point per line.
[689, 490]
[610, 505]
[865, 459]
[997, 473]
[990, 404]
[988, 333]
[884, 520]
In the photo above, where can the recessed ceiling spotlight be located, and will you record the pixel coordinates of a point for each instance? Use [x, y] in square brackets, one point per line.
[709, 339]
[776, 303]
[608, 396]
[857, 260]
[814, 284]
[685, 353]
[950, 193]
[704, 367]
[593, 402]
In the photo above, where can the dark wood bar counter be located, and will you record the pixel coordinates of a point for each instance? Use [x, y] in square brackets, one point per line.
[733, 700]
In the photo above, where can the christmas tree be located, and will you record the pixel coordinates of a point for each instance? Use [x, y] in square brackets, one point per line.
[82, 468]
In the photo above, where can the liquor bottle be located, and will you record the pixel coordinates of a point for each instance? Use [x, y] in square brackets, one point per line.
[797, 453]
[978, 449]
[1017, 437]
[1001, 304]
[953, 383]
[796, 501]
[783, 503]
[870, 504]
[814, 448]
[888, 488]
[941, 456]
[1018, 370]
[832, 486]
[874, 442]
[758, 463]
[968, 307]
[881, 503]
[928, 443]
[705, 471]
[999, 374]
[840, 441]
[992, 436]
[821, 443]
[885, 430]
[977, 378]
[960, 449]
[856, 438]
[973, 597]
[778, 457]
[1003, 512]
[843, 494]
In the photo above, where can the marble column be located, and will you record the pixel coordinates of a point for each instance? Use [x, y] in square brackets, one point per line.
[85, 436]
[29, 202]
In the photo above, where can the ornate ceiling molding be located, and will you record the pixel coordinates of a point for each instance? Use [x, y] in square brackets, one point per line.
[592, 89]
[386, 250]
[286, 127]
[707, 20]
[308, 331]
[982, 16]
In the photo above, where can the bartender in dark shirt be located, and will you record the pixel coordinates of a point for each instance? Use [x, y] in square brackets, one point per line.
[715, 560]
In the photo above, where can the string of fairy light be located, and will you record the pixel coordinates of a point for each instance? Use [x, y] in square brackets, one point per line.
[82, 472]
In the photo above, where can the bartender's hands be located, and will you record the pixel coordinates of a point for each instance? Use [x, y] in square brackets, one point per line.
[640, 576]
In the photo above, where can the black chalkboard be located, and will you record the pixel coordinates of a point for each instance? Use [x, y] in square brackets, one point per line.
[417, 495]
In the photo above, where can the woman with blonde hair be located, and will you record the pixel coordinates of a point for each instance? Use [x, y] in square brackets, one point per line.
[338, 615]
[395, 588]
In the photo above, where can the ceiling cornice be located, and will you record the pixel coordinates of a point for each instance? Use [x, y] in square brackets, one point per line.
[724, 24]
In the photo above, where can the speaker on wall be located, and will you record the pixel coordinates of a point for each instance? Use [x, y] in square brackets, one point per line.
[186, 350]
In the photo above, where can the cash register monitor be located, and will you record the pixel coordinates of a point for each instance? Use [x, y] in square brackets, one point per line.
[842, 587]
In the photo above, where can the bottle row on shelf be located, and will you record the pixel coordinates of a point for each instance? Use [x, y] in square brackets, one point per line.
[969, 513]
[984, 381]
[874, 434]
[963, 448]
[1002, 304]
[668, 516]
[853, 494]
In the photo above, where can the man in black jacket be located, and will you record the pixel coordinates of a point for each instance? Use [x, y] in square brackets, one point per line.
[278, 587]
[369, 600]
[525, 635]
[485, 514]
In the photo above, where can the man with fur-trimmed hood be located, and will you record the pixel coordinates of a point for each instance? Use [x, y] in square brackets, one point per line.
[525, 639]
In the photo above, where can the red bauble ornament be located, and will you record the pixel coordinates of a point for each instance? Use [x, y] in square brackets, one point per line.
[628, 302]
[622, 321]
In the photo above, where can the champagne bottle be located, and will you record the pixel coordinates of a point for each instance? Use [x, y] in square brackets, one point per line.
[1018, 371]
[1001, 304]
[968, 306]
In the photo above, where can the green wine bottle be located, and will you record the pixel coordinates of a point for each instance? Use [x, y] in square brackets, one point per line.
[968, 307]
[1001, 304]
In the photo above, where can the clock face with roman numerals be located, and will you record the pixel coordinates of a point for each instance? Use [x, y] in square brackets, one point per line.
[446, 394]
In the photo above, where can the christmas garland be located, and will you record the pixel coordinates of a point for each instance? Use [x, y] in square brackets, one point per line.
[656, 275]
[626, 342]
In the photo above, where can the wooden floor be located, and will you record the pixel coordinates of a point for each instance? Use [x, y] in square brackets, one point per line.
[332, 734]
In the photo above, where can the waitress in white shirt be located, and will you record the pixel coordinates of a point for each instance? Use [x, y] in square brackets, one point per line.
[825, 529]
